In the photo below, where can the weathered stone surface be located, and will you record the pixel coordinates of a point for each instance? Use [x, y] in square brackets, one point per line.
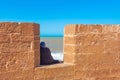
[107, 28]
[29, 29]
[96, 51]
[68, 49]
[4, 47]
[69, 40]
[91, 52]
[82, 28]
[17, 52]
[17, 75]
[95, 29]
[16, 37]
[36, 29]
[10, 27]
[25, 46]
[70, 29]
[4, 38]
[15, 46]
[36, 57]
[57, 72]
[69, 58]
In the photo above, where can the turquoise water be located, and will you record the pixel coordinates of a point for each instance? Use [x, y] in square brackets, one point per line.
[55, 44]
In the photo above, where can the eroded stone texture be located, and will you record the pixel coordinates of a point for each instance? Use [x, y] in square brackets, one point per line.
[54, 72]
[17, 50]
[96, 51]
[91, 52]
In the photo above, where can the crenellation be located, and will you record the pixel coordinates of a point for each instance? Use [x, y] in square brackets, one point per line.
[96, 51]
[91, 52]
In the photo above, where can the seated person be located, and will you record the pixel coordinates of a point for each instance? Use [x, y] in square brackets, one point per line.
[45, 55]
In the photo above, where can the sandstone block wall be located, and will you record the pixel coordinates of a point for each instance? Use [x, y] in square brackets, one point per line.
[54, 72]
[95, 51]
[20, 55]
[19, 50]
[91, 52]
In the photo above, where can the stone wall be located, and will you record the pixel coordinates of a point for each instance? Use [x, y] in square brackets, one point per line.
[20, 55]
[91, 52]
[19, 50]
[95, 51]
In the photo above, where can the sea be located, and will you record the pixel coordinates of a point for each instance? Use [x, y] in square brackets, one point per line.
[55, 44]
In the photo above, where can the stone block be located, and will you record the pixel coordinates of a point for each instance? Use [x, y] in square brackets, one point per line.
[89, 49]
[29, 29]
[36, 44]
[111, 46]
[50, 72]
[100, 73]
[70, 29]
[4, 38]
[69, 40]
[30, 38]
[2, 68]
[25, 46]
[65, 71]
[82, 28]
[95, 29]
[110, 36]
[15, 46]
[37, 58]
[107, 29]
[15, 75]
[92, 74]
[39, 74]
[118, 36]
[68, 49]
[65, 77]
[56, 71]
[81, 59]
[69, 58]
[10, 27]
[80, 74]
[115, 28]
[108, 78]
[89, 39]
[13, 65]
[110, 59]
[39, 70]
[36, 29]
[14, 61]
[114, 72]
[118, 28]
[31, 58]
[27, 38]
[7, 58]
[50, 78]
[20, 55]
[4, 47]
[15, 37]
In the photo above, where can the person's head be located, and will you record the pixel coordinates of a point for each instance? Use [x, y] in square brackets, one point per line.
[42, 44]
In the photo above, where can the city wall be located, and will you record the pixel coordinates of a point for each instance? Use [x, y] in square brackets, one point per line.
[91, 52]
[94, 50]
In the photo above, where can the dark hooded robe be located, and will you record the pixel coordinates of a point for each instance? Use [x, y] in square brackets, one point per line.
[46, 57]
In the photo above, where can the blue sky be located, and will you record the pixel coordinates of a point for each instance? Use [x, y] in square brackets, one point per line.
[53, 15]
